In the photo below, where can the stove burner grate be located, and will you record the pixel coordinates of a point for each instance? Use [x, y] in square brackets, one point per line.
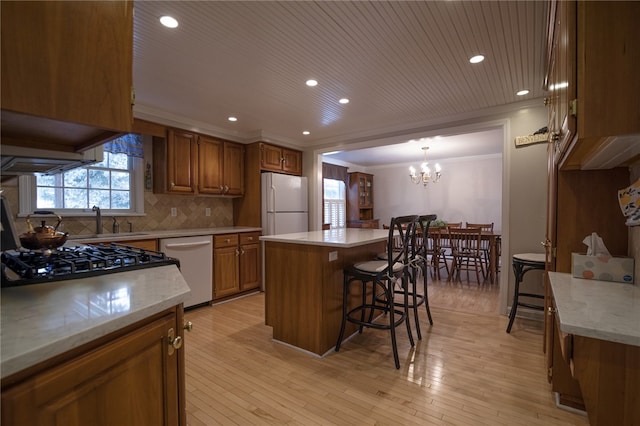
[30, 267]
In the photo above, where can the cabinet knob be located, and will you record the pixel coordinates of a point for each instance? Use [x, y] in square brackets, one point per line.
[550, 310]
[174, 342]
[171, 184]
[250, 238]
[188, 326]
[237, 252]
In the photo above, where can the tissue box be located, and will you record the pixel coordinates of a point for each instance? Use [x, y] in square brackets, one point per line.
[604, 268]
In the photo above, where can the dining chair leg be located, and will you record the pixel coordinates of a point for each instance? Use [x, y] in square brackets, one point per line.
[426, 297]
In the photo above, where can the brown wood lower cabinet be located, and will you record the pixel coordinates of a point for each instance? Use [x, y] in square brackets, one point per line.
[129, 379]
[236, 264]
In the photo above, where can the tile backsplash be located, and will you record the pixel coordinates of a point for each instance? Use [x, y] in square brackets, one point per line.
[190, 213]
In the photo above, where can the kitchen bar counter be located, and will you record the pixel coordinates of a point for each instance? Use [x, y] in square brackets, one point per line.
[343, 238]
[598, 309]
[41, 321]
[303, 283]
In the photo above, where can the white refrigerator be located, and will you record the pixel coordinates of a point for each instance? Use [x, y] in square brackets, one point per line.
[284, 204]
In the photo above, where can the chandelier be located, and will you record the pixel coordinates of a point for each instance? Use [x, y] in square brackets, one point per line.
[425, 172]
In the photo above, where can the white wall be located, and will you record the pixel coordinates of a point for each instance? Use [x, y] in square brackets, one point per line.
[470, 190]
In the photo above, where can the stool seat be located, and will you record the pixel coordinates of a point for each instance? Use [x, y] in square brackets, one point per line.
[530, 257]
[523, 263]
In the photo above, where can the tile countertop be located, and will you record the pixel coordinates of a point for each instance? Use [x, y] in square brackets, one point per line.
[598, 309]
[150, 235]
[40, 321]
[344, 238]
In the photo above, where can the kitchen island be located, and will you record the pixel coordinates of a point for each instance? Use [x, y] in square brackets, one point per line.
[598, 324]
[71, 349]
[303, 282]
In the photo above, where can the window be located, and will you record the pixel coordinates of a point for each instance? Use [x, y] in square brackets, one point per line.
[335, 203]
[111, 184]
[106, 184]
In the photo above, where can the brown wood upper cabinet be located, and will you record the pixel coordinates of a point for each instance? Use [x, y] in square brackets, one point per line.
[188, 163]
[282, 160]
[65, 85]
[593, 85]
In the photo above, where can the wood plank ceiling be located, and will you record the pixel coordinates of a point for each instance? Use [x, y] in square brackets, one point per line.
[401, 64]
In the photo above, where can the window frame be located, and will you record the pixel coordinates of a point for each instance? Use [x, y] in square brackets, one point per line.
[337, 201]
[27, 195]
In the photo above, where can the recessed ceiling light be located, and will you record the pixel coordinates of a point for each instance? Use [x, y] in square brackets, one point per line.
[312, 83]
[522, 92]
[232, 119]
[344, 101]
[168, 21]
[306, 132]
[476, 59]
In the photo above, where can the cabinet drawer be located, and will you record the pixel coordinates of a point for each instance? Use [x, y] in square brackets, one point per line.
[250, 238]
[227, 240]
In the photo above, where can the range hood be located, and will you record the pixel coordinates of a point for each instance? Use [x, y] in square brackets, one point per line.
[18, 160]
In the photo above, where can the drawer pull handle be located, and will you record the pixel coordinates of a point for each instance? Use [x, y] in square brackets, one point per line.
[188, 326]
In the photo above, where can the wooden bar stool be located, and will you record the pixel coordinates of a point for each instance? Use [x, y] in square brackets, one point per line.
[523, 263]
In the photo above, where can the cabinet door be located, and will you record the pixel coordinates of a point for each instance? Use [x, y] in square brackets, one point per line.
[131, 381]
[210, 166]
[271, 157]
[233, 168]
[291, 161]
[561, 78]
[249, 261]
[181, 162]
[225, 271]
[68, 61]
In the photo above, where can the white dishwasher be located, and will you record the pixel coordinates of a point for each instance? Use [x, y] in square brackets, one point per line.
[196, 265]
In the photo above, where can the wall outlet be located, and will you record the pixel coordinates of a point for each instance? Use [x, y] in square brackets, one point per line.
[333, 255]
[174, 212]
[207, 211]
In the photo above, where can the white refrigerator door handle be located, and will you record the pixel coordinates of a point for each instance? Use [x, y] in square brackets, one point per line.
[187, 245]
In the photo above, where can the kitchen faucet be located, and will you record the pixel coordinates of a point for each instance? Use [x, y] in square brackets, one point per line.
[98, 219]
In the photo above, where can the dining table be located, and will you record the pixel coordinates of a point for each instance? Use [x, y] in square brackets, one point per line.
[494, 242]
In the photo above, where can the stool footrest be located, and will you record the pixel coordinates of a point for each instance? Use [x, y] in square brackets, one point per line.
[528, 305]
[537, 296]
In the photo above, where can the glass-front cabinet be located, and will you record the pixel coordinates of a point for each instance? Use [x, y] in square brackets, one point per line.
[360, 201]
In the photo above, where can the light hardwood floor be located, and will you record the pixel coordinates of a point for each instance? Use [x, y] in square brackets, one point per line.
[466, 370]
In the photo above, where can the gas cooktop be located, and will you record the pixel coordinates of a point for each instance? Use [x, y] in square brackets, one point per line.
[22, 267]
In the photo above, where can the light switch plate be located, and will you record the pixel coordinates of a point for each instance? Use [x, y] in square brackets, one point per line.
[333, 255]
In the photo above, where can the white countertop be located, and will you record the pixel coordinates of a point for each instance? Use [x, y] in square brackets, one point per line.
[598, 309]
[344, 238]
[40, 321]
[143, 235]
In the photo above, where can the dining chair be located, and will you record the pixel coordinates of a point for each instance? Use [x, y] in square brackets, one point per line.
[378, 280]
[484, 246]
[436, 254]
[467, 255]
[445, 244]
